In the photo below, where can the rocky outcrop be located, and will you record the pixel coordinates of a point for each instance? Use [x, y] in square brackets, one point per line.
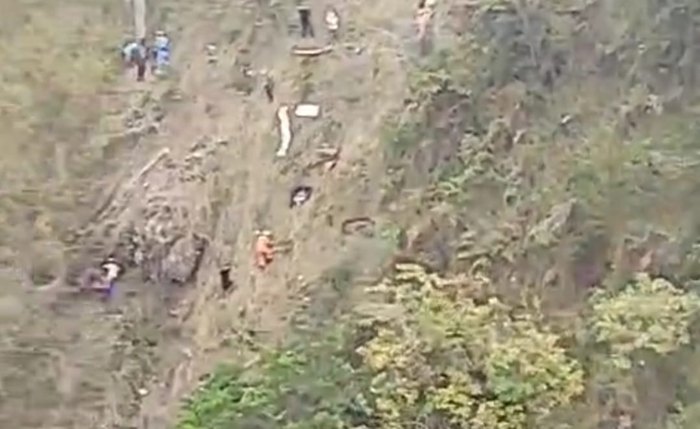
[158, 220]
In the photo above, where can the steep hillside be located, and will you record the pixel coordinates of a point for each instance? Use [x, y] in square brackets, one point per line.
[507, 239]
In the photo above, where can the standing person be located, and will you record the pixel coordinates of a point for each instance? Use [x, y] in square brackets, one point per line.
[161, 52]
[268, 85]
[134, 54]
[141, 59]
[307, 29]
[332, 22]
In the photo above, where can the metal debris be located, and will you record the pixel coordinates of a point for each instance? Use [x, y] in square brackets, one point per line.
[312, 51]
[299, 195]
[307, 110]
[212, 55]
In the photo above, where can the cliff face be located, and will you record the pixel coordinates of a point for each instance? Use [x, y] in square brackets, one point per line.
[546, 147]
[173, 179]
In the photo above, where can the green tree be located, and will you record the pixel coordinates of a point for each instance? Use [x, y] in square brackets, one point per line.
[649, 314]
[307, 385]
[449, 358]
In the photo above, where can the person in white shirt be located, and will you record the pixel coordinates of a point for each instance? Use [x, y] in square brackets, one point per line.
[111, 271]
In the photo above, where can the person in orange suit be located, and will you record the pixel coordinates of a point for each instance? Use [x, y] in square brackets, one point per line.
[264, 249]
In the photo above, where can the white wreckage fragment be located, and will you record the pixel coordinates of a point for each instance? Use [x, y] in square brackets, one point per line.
[285, 131]
[311, 51]
[307, 110]
[212, 54]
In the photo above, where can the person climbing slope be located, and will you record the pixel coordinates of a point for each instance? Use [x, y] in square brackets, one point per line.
[264, 249]
[101, 280]
[161, 53]
[134, 54]
[111, 270]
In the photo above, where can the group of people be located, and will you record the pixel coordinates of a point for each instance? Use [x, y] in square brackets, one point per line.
[265, 248]
[138, 53]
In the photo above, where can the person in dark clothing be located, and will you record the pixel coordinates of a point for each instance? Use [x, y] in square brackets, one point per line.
[268, 86]
[141, 60]
[307, 29]
[226, 282]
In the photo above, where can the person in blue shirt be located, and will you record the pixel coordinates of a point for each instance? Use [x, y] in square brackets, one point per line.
[161, 52]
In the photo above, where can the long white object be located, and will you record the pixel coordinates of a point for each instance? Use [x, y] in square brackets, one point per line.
[285, 131]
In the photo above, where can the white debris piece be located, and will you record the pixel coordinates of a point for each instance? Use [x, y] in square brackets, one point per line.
[285, 131]
[212, 54]
[307, 110]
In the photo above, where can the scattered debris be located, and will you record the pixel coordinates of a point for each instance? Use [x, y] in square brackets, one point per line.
[565, 120]
[299, 195]
[362, 225]
[311, 51]
[212, 56]
[327, 157]
[285, 131]
[355, 49]
[307, 110]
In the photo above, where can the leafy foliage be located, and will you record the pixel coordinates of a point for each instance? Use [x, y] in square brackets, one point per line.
[309, 385]
[552, 135]
[428, 355]
[648, 314]
[473, 364]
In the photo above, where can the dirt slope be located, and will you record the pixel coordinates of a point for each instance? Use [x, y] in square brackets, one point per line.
[213, 179]
[257, 185]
